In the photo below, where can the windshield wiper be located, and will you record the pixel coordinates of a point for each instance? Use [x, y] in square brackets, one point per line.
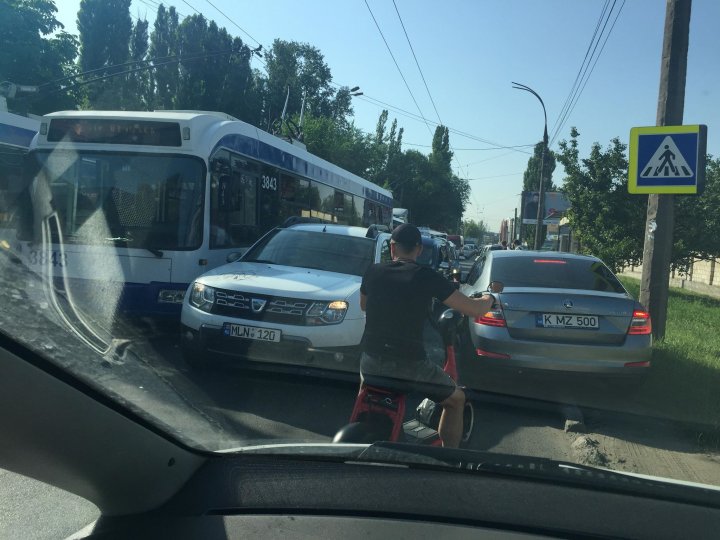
[125, 240]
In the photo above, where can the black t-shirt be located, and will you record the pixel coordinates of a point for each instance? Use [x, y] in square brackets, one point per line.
[398, 295]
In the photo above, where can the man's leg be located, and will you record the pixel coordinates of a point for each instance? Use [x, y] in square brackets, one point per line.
[451, 420]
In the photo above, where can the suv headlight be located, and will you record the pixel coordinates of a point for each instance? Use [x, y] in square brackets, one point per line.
[202, 296]
[326, 312]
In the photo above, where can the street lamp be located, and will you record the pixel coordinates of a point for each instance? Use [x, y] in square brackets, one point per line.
[541, 202]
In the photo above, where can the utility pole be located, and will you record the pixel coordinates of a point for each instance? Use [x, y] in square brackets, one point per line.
[660, 220]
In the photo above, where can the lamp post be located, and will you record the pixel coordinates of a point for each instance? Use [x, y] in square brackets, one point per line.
[541, 201]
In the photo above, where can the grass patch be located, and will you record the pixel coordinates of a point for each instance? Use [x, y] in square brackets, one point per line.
[684, 381]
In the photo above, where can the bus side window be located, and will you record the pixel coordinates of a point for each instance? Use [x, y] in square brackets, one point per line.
[233, 202]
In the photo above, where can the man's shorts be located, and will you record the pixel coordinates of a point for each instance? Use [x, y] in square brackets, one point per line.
[421, 377]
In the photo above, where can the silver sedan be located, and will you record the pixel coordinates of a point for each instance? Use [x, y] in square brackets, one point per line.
[557, 311]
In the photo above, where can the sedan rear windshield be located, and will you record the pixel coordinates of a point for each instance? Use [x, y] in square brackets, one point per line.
[318, 250]
[555, 272]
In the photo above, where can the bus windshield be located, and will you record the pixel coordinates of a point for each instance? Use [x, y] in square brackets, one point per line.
[128, 200]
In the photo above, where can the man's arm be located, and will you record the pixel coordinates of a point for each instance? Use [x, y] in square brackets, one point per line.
[472, 307]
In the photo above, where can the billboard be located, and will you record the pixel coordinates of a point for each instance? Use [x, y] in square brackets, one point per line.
[555, 207]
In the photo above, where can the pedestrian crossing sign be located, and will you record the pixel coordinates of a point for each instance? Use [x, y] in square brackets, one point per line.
[667, 159]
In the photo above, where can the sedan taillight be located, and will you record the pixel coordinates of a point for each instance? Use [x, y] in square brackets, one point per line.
[640, 324]
[494, 317]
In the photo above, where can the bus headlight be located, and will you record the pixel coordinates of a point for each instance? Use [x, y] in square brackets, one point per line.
[171, 296]
[202, 296]
[326, 312]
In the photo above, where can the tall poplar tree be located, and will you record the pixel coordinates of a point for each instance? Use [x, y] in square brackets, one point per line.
[105, 28]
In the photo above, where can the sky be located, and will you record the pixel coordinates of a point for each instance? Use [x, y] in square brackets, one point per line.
[469, 52]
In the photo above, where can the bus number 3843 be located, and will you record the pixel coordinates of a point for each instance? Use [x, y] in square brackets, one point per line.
[40, 257]
[269, 182]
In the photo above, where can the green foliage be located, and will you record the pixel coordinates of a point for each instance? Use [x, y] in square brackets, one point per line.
[474, 229]
[339, 143]
[531, 177]
[301, 68]
[35, 50]
[105, 29]
[697, 221]
[609, 222]
[139, 95]
[604, 217]
[195, 64]
[163, 47]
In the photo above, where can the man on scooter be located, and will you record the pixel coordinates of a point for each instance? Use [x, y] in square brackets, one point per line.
[395, 296]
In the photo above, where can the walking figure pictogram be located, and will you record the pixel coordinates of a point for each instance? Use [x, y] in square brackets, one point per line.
[667, 158]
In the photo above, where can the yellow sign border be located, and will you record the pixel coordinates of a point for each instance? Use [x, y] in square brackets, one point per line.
[633, 163]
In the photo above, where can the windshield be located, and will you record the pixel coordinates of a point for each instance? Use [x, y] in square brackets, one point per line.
[317, 250]
[197, 201]
[130, 200]
[560, 273]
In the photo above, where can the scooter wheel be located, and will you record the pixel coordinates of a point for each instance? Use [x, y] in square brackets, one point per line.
[468, 423]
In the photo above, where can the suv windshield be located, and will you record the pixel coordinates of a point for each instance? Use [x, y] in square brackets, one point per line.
[319, 250]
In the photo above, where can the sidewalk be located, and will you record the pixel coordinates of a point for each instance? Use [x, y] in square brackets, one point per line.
[693, 286]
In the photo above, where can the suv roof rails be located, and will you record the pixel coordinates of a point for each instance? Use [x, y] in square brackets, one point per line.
[298, 220]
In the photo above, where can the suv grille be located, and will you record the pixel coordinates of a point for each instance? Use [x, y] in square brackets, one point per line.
[260, 307]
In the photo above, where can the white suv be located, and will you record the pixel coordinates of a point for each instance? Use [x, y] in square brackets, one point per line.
[293, 297]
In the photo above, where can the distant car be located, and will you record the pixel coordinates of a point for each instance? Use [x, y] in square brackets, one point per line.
[295, 293]
[468, 251]
[558, 311]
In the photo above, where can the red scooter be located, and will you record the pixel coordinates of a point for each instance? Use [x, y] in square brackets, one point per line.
[379, 411]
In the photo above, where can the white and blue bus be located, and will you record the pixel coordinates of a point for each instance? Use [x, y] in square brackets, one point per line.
[144, 202]
[16, 134]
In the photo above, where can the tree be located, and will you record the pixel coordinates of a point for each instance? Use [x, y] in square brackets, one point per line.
[474, 229]
[105, 28]
[610, 222]
[139, 95]
[697, 221]
[604, 217]
[36, 51]
[434, 195]
[164, 47]
[339, 143]
[301, 68]
[531, 177]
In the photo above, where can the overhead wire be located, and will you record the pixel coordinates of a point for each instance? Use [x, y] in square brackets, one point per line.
[587, 70]
[568, 99]
[398, 68]
[607, 36]
[422, 76]
[367, 98]
[564, 117]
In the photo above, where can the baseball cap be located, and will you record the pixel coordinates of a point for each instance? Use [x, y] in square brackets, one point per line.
[407, 235]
